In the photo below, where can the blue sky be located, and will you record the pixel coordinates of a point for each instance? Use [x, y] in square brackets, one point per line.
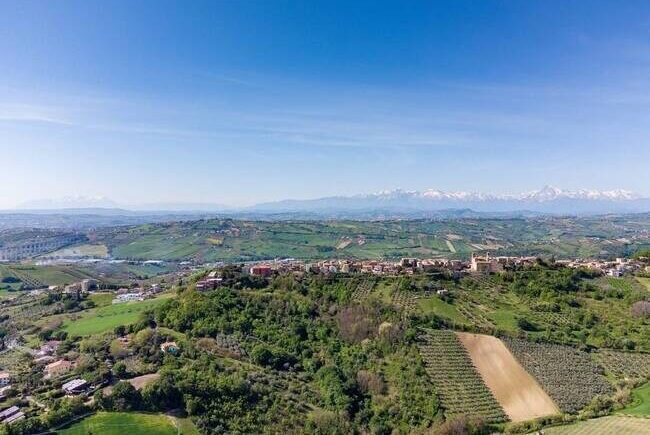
[241, 102]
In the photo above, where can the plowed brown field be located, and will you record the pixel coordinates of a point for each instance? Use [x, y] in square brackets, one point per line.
[515, 389]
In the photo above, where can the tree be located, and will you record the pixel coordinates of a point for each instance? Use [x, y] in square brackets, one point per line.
[119, 370]
[125, 397]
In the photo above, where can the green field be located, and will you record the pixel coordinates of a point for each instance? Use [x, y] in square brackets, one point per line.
[106, 318]
[102, 299]
[441, 308]
[122, 423]
[504, 319]
[235, 240]
[645, 282]
[641, 401]
[86, 250]
[604, 426]
[40, 276]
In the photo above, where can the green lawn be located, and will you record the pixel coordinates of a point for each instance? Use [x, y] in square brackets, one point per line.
[604, 426]
[441, 308]
[122, 423]
[641, 401]
[384, 290]
[645, 282]
[505, 319]
[186, 427]
[102, 299]
[106, 318]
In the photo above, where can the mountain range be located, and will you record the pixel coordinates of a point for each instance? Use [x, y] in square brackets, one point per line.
[546, 200]
[397, 202]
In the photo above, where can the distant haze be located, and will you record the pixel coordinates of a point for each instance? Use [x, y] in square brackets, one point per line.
[546, 200]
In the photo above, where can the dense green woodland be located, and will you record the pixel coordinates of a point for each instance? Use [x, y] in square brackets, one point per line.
[316, 354]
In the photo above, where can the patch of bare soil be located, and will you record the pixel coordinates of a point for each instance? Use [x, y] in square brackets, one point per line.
[515, 389]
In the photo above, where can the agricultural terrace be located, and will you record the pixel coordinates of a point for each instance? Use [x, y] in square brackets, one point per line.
[518, 393]
[604, 426]
[106, 318]
[42, 276]
[625, 365]
[568, 375]
[460, 388]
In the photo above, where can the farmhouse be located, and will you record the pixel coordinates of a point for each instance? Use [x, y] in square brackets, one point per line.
[45, 359]
[87, 285]
[128, 297]
[48, 348]
[57, 368]
[208, 284]
[169, 347]
[4, 390]
[5, 379]
[75, 386]
[11, 414]
[261, 270]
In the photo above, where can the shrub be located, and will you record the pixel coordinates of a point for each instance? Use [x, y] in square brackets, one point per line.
[641, 309]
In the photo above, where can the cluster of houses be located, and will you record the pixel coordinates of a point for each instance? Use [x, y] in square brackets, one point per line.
[137, 294]
[12, 413]
[618, 267]
[211, 282]
[482, 264]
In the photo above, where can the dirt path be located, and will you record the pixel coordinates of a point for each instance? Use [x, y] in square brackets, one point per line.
[139, 382]
[515, 389]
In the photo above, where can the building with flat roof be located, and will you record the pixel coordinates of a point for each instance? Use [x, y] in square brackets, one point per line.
[75, 386]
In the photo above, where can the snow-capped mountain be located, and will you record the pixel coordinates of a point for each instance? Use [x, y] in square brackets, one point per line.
[546, 200]
[547, 193]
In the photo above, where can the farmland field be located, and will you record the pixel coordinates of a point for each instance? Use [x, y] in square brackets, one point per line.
[604, 426]
[106, 318]
[460, 388]
[517, 391]
[568, 375]
[256, 240]
[86, 250]
[120, 423]
[625, 364]
[41, 276]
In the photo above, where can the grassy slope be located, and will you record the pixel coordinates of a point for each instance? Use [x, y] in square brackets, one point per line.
[105, 318]
[645, 282]
[500, 310]
[641, 401]
[120, 423]
[441, 308]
